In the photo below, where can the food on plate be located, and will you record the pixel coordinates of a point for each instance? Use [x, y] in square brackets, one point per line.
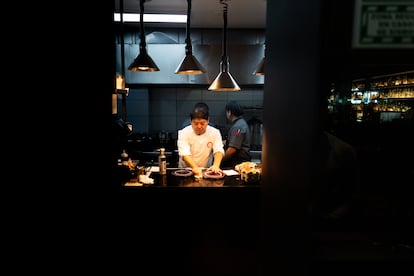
[249, 172]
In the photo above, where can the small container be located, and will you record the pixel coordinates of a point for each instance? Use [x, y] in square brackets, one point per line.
[162, 161]
[124, 158]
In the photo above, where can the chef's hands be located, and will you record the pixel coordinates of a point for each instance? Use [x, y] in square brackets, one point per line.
[198, 172]
[215, 169]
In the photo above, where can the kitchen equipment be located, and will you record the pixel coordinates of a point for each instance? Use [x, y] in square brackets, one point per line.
[164, 137]
[256, 133]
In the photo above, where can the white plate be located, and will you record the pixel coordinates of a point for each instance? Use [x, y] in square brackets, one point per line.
[182, 172]
[210, 174]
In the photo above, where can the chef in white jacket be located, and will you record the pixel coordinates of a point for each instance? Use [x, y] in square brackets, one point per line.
[200, 145]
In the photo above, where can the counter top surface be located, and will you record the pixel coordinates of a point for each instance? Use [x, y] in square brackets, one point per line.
[170, 180]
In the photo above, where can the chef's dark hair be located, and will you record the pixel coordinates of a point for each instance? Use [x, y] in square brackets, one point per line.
[201, 106]
[234, 108]
[200, 111]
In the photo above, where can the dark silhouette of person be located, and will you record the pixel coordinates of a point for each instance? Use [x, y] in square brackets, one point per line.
[336, 184]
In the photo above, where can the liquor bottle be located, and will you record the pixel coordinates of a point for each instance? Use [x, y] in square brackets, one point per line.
[162, 161]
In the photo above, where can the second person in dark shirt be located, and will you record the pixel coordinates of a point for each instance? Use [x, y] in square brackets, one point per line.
[237, 147]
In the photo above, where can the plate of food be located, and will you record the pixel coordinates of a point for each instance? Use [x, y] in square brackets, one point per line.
[213, 175]
[182, 172]
[249, 171]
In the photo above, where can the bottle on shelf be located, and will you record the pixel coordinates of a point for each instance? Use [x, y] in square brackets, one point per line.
[162, 161]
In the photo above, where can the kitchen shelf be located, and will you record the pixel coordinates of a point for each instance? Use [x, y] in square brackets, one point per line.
[409, 85]
[398, 99]
[384, 94]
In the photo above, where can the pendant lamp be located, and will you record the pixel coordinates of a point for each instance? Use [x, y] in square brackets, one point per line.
[224, 81]
[143, 62]
[260, 68]
[189, 64]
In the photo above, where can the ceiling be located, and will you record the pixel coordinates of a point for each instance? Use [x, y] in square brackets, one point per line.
[241, 14]
[251, 14]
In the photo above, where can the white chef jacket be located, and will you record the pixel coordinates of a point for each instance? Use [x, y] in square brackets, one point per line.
[200, 147]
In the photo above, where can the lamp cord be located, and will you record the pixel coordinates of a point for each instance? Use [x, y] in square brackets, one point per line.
[142, 43]
[188, 46]
[121, 7]
[225, 9]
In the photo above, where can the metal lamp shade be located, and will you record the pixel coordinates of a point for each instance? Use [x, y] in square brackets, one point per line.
[190, 66]
[260, 68]
[143, 63]
[224, 81]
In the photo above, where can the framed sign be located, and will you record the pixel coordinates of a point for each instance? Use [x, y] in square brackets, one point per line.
[383, 24]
